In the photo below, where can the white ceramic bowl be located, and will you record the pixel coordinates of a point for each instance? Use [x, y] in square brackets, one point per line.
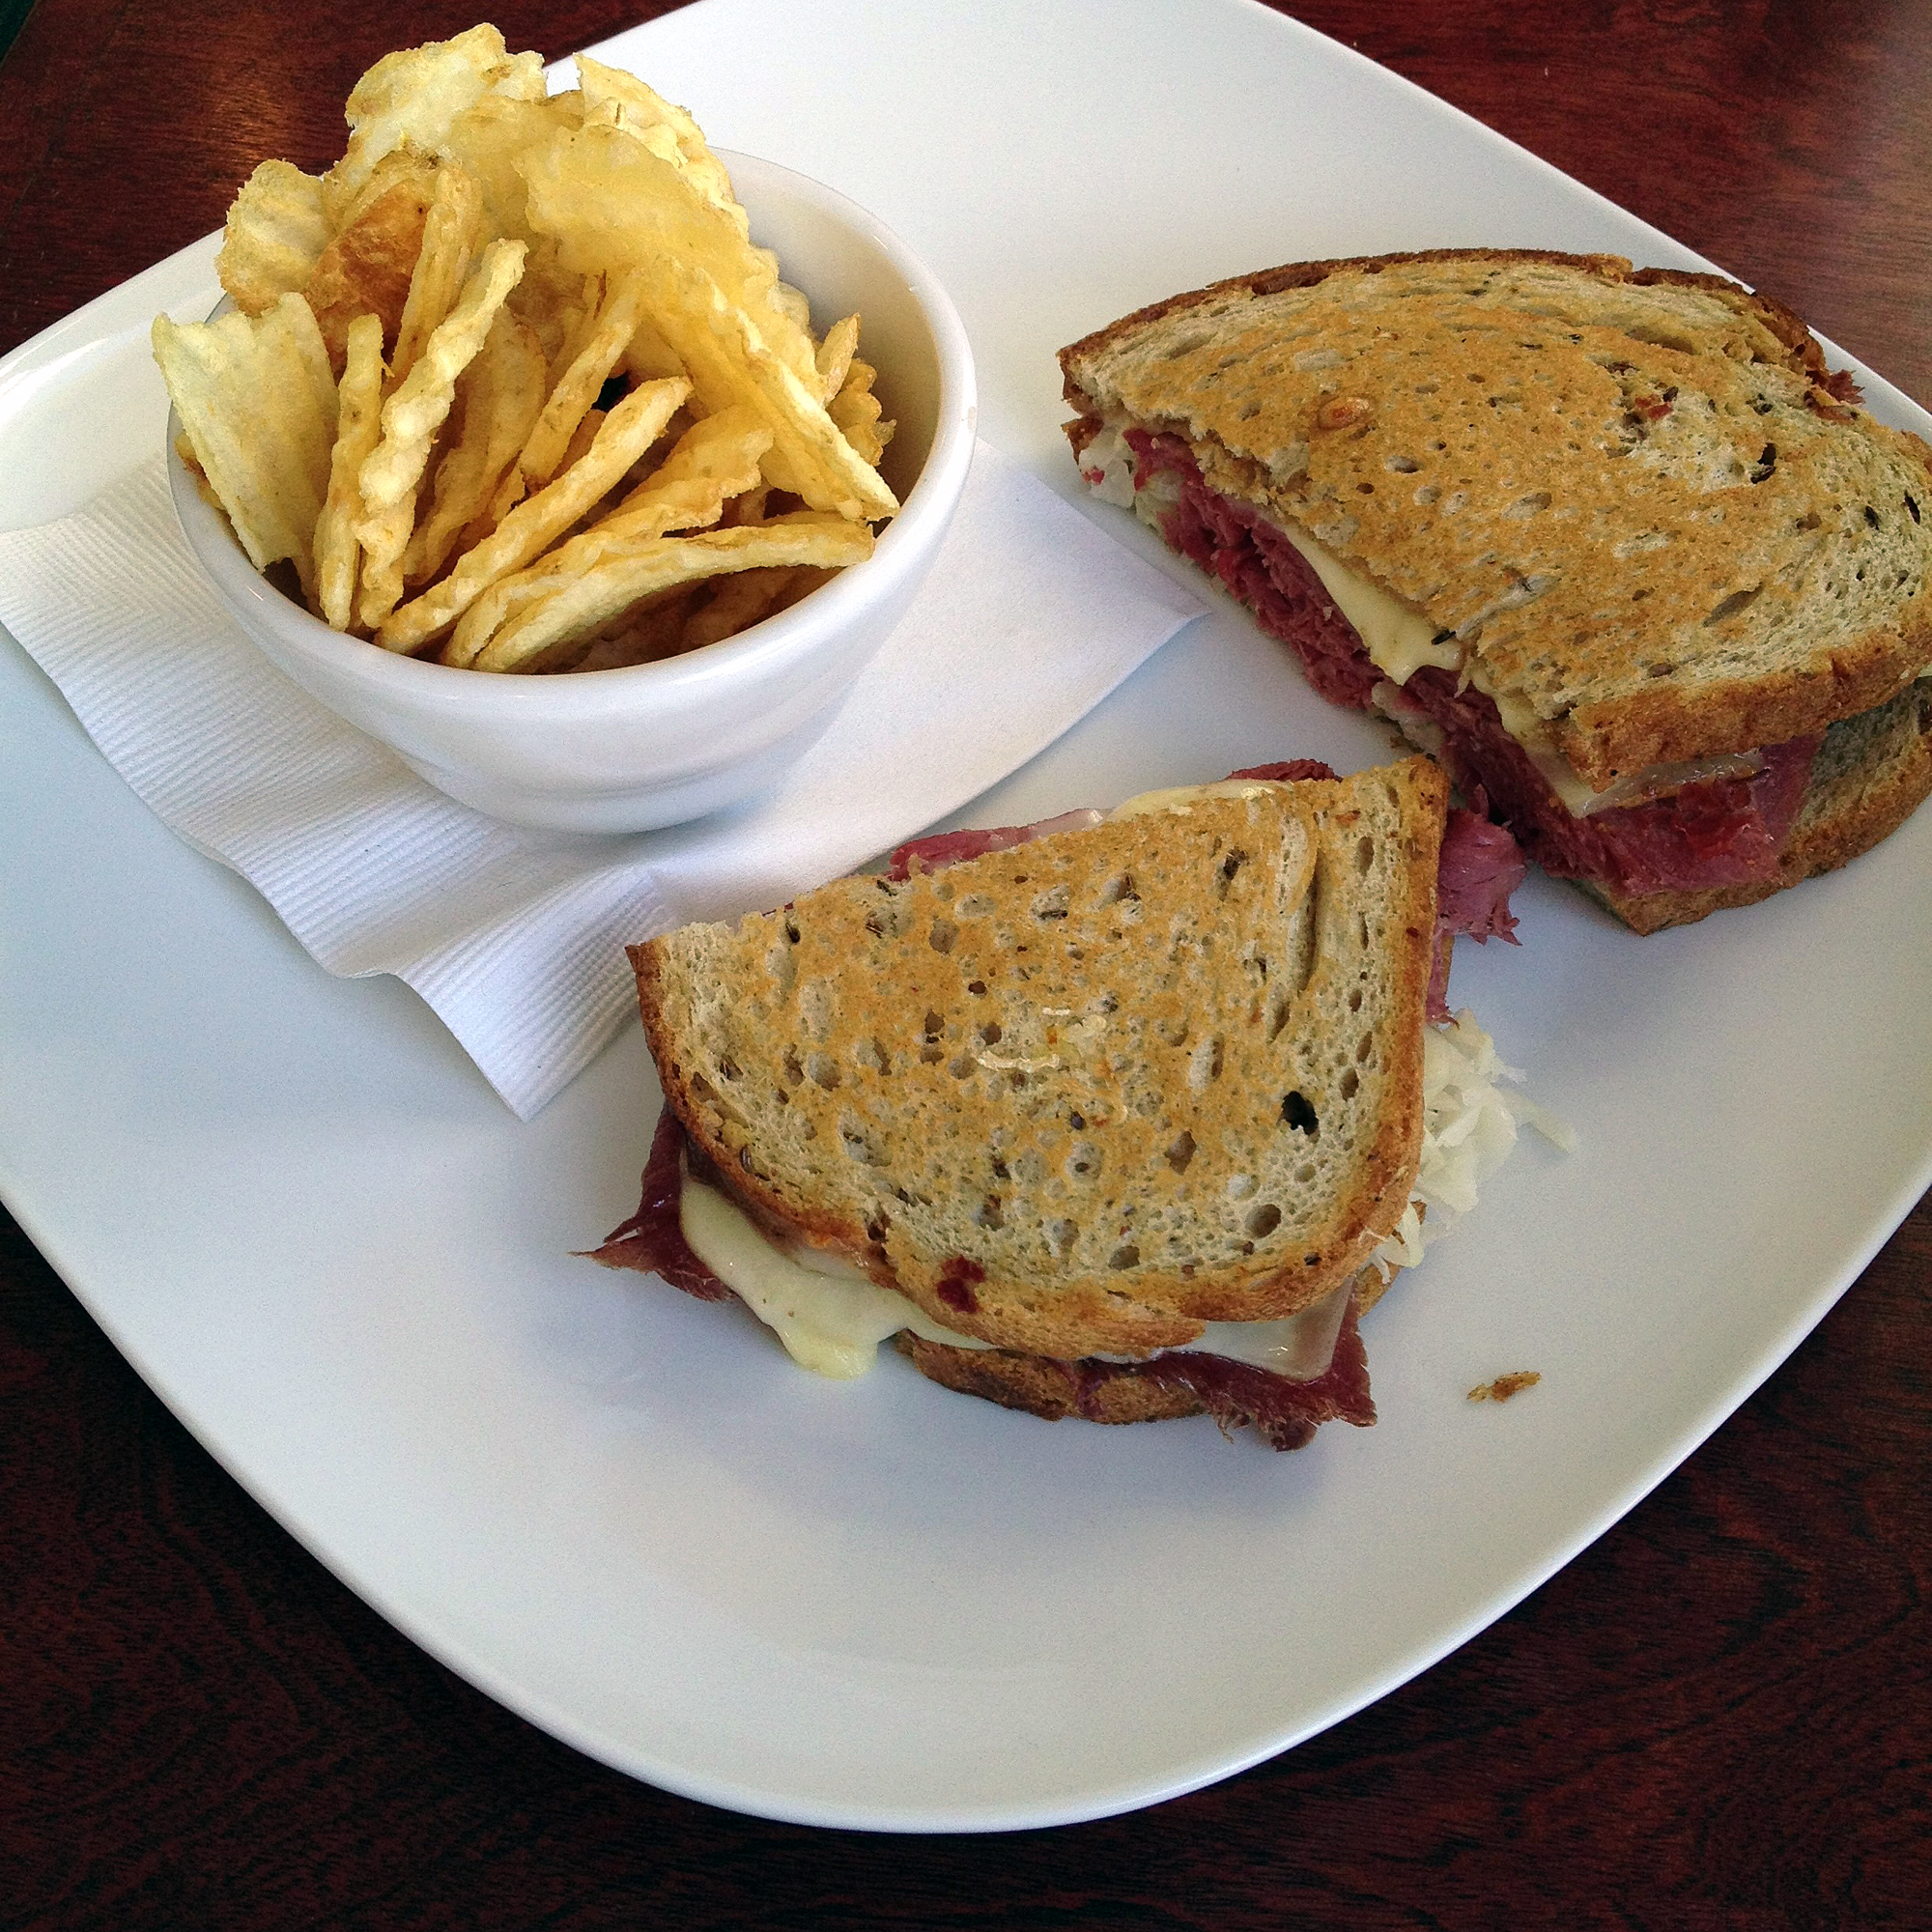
[653, 745]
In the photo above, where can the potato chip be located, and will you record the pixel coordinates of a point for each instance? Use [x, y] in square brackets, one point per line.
[582, 440]
[585, 603]
[256, 398]
[719, 344]
[835, 356]
[515, 250]
[191, 462]
[575, 303]
[614, 99]
[630, 429]
[714, 462]
[499, 395]
[794, 305]
[338, 554]
[856, 411]
[272, 239]
[370, 261]
[452, 235]
[747, 598]
[748, 506]
[411, 417]
[615, 206]
[688, 491]
[603, 341]
[413, 96]
[491, 137]
[418, 406]
[551, 298]
[644, 635]
[649, 355]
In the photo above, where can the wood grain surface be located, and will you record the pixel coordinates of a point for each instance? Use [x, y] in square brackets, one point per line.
[1719, 1716]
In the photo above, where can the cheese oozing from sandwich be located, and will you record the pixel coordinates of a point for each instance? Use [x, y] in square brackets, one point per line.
[831, 1317]
[1400, 640]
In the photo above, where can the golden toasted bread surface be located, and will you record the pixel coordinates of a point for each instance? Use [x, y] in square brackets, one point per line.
[1630, 495]
[1087, 1094]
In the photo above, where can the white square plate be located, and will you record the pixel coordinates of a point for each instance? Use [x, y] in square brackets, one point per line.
[303, 1217]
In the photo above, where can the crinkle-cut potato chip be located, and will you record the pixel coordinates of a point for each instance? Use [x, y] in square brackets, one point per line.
[498, 398]
[613, 206]
[416, 407]
[338, 552]
[688, 491]
[412, 417]
[721, 346]
[415, 95]
[583, 605]
[452, 236]
[614, 99]
[835, 356]
[369, 264]
[856, 411]
[256, 398]
[624, 435]
[603, 342]
[712, 462]
[272, 239]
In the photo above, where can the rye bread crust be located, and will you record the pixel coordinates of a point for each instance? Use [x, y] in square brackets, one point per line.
[1049, 1389]
[1634, 495]
[1083, 1096]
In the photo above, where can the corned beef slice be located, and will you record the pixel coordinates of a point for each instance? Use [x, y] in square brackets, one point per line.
[1719, 832]
[937, 850]
[1480, 867]
[652, 1240]
[1477, 869]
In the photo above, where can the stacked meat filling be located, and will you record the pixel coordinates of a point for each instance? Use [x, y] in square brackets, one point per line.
[1721, 830]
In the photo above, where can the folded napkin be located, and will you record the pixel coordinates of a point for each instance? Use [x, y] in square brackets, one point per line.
[514, 937]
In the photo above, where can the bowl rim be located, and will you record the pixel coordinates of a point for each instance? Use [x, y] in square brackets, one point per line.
[921, 517]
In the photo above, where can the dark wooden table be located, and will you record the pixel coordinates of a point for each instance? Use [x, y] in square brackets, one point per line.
[1720, 1714]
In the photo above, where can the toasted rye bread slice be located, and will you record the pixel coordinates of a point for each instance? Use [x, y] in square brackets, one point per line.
[1088, 1095]
[1871, 773]
[1630, 495]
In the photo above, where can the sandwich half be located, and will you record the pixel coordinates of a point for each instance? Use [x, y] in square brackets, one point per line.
[1614, 546]
[1124, 1117]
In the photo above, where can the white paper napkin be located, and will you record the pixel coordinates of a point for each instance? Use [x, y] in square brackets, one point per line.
[515, 938]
